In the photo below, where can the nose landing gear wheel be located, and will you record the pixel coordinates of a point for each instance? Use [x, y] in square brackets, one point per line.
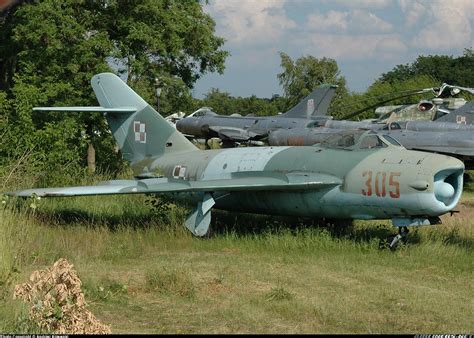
[393, 241]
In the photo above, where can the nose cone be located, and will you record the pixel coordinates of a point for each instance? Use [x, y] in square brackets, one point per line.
[447, 176]
[180, 125]
[187, 126]
[443, 191]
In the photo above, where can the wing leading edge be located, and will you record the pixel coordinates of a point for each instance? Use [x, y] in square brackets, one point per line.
[241, 181]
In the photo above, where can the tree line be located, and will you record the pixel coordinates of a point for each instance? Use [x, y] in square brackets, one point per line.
[50, 50]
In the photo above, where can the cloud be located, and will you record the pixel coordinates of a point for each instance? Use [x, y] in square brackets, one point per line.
[249, 22]
[355, 22]
[443, 25]
[360, 3]
[351, 35]
[353, 47]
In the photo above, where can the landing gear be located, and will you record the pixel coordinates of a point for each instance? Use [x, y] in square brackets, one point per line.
[393, 241]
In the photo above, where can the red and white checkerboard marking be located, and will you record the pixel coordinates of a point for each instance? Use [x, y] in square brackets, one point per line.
[460, 119]
[140, 131]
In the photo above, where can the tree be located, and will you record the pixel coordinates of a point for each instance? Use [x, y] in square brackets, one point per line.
[223, 103]
[169, 41]
[301, 77]
[454, 71]
[56, 47]
[380, 91]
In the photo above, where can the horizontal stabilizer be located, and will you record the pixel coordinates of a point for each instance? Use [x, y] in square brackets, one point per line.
[128, 110]
[242, 181]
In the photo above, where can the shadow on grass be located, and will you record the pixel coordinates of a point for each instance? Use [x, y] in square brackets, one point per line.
[73, 217]
[242, 224]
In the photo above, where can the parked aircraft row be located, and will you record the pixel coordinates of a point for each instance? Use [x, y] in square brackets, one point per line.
[441, 125]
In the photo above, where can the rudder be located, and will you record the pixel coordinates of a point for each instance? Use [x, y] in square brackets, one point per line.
[141, 134]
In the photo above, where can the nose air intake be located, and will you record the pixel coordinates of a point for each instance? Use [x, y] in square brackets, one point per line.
[448, 186]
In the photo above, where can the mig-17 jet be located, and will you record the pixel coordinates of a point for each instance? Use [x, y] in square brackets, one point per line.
[352, 175]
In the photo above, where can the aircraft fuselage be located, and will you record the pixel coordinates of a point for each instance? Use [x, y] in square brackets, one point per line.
[372, 184]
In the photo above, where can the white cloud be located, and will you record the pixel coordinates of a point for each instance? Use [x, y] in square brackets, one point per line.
[414, 10]
[332, 20]
[249, 22]
[368, 22]
[360, 3]
[355, 22]
[444, 25]
[353, 47]
[362, 34]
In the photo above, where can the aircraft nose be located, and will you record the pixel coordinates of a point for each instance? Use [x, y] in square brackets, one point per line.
[184, 126]
[443, 191]
[179, 124]
[442, 177]
[448, 185]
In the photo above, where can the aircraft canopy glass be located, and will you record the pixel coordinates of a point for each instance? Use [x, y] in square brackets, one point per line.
[354, 139]
[203, 111]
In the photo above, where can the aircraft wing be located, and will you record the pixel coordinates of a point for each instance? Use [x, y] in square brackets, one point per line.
[241, 181]
[447, 150]
[235, 134]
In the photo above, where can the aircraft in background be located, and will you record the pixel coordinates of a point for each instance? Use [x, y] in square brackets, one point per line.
[206, 124]
[353, 175]
[436, 109]
[451, 133]
[441, 105]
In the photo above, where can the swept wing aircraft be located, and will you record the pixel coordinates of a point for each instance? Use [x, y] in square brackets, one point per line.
[451, 134]
[207, 124]
[357, 175]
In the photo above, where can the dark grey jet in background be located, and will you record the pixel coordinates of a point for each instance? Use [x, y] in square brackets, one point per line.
[206, 124]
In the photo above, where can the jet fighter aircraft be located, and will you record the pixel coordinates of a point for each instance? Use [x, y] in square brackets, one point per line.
[451, 134]
[235, 128]
[353, 175]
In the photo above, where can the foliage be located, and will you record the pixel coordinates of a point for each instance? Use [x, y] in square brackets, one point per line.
[54, 48]
[171, 42]
[380, 91]
[457, 71]
[225, 104]
[302, 76]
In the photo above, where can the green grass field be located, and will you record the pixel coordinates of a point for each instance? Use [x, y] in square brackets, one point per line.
[142, 272]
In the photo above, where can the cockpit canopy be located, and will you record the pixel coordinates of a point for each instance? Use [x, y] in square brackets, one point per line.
[358, 140]
[202, 111]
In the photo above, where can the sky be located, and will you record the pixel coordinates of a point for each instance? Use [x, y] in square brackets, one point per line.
[365, 37]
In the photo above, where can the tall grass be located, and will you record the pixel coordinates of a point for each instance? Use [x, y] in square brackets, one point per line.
[144, 272]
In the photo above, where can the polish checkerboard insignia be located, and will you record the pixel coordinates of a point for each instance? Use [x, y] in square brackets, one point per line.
[179, 171]
[460, 119]
[140, 131]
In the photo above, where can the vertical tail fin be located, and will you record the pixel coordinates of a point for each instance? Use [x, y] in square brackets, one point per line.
[462, 115]
[143, 133]
[139, 130]
[315, 104]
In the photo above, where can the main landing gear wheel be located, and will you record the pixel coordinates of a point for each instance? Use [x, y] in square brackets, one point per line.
[393, 241]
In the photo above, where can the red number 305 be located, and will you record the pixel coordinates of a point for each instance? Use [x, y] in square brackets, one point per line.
[379, 184]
